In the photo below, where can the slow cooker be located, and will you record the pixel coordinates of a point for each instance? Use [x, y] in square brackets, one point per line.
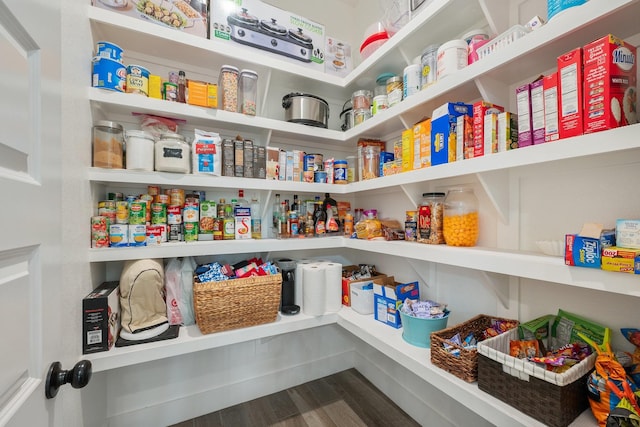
[306, 109]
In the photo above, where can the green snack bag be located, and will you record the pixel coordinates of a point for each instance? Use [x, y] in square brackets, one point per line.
[567, 326]
[538, 329]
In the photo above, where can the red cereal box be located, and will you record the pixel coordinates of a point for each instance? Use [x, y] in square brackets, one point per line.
[609, 84]
[570, 93]
[481, 109]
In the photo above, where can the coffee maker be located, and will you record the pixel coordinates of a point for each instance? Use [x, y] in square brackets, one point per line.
[288, 297]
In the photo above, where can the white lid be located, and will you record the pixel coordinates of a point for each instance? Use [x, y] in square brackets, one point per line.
[139, 134]
[246, 71]
[456, 43]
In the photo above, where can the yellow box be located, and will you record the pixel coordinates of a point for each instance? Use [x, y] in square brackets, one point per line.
[422, 144]
[622, 260]
[212, 95]
[197, 93]
[155, 86]
[407, 150]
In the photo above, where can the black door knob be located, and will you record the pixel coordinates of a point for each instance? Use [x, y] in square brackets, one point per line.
[78, 377]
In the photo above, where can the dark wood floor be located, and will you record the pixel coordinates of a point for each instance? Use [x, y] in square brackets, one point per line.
[345, 399]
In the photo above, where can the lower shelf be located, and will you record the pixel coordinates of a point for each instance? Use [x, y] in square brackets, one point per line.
[383, 338]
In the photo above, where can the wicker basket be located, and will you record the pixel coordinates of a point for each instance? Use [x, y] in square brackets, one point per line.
[554, 399]
[237, 303]
[464, 366]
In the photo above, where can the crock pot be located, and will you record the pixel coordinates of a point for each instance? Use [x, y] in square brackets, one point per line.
[306, 109]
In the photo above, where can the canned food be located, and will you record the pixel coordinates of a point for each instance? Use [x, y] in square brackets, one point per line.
[107, 208]
[174, 214]
[176, 197]
[122, 212]
[137, 80]
[162, 198]
[170, 91]
[153, 190]
[412, 216]
[410, 231]
[320, 177]
[174, 233]
[190, 213]
[156, 234]
[309, 163]
[108, 74]
[138, 213]
[158, 213]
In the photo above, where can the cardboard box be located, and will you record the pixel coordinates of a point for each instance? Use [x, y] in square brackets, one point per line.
[537, 111]
[282, 162]
[523, 101]
[622, 260]
[422, 144]
[238, 157]
[464, 137]
[481, 109]
[290, 37]
[193, 16]
[346, 283]
[198, 93]
[407, 150]
[610, 87]
[247, 159]
[570, 87]
[242, 218]
[385, 157]
[507, 131]
[228, 157]
[490, 134]
[550, 93]
[628, 233]
[338, 59]
[273, 163]
[586, 251]
[443, 131]
[259, 162]
[389, 296]
[212, 95]
[101, 318]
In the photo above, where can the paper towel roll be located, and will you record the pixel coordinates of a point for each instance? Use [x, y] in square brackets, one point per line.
[333, 280]
[313, 289]
[299, 278]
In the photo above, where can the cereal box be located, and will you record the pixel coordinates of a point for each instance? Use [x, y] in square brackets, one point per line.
[422, 144]
[523, 100]
[610, 85]
[407, 150]
[443, 131]
[464, 137]
[537, 111]
[507, 131]
[570, 93]
[550, 92]
[481, 109]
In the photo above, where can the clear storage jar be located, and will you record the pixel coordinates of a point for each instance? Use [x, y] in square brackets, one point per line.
[172, 154]
[248, 92]
[228, 88]
[430, 219]
[394, 90]
[140, 150]
[461, 222]
[108, 145]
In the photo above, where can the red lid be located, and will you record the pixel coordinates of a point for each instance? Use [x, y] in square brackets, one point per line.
[374, 38]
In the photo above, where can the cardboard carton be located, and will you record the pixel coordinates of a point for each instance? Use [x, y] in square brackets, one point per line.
[101, 318]
[389, 296]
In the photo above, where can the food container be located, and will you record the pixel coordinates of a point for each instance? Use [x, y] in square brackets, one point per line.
[351, 168]
[172, 154]
[108, 74]
[429, 63]
[137, 80]
[394, 90]
[228, 88]
[360, 115]
[430, 217]
[340, 171]
[411, 80]
[361, 99]
[370, 165]
[108, 143]
[140, 145]
[248, 92]
[452, 56]
[475, 39]
[109, 50]
[374, 36]
[460, 220]
[306, 109]
[380, 102]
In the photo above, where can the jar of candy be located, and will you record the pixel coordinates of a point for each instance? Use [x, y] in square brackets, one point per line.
[430, 217]
[461, 222]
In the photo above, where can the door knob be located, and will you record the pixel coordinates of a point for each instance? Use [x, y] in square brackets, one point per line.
[78, 377]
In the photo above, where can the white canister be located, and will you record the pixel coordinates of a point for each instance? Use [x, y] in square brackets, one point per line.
[173, 154]
[380, 103]
[140, 145]
[452, 56]
[411, 80]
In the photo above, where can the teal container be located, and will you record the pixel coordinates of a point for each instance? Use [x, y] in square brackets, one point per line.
[417, 331]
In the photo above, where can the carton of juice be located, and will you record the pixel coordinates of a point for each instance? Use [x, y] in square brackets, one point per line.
[610, 85]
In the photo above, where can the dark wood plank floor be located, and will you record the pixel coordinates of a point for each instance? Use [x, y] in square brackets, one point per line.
[345, 399]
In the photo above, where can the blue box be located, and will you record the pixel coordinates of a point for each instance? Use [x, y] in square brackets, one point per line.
[389, 296]
[582, 251]
[385, 157]
[443, 131]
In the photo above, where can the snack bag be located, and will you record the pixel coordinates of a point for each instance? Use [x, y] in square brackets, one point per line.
[633, 335]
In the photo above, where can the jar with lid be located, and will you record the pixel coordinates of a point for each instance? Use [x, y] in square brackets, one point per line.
[228, 88]
[452, 56]
[461, 222]
[430, 217]
[361, 99]
[140, 150]
[394, 90]
[172, 154]
[108, 145]
[429, 63]
[248, 92]
[369, 162]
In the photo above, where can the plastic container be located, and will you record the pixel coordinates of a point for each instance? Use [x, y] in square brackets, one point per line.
[429, 63]
[380, 102]
[109, 50]
[360, 115]
[108, 145]
[430, 219]
[228, 88]
[351, 168]
[397, 13]
[140, 150]
[370, 162]
[361, 99]
[411, 83]
[475, 39]
[374, 36]
[503, 40]
[362, 297]
[417, 331]
[460, 220]
[554, 7]
[248, 92]
[172, 154]
[452, 56]
[394, 90]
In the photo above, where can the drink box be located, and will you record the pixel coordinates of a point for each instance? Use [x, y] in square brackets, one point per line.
[443, 131]
[570, 87]
[101, 318]
[610, 84]
[389, 296]
[481, 109]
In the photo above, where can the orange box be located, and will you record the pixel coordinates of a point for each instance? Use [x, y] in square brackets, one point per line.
[198, 93]
[346, 283]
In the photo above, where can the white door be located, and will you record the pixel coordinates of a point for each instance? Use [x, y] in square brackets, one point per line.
[30, 188]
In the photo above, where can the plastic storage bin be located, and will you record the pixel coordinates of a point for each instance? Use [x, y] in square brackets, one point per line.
[362, 297]
[417, 331]
[505, 39]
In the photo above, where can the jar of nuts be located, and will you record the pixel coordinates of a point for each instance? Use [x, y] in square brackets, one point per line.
[430, 216]
[461, 223]
[228, 88]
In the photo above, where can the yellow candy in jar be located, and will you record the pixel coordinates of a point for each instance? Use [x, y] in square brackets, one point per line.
[460, 225]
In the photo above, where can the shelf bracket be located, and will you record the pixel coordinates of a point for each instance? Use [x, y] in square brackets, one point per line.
[407, 60]
[405, 190]
[499, 284]
[495, 14]
[265, 97]
[492, 89]
[413, 264]
[404, 122]
[267, 137]
[496, 186]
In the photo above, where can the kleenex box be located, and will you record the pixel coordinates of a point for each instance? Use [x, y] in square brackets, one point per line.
[388, 297]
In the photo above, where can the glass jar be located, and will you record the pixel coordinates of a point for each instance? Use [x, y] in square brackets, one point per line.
[108, 143]
[172, 154]
[361, 99]
[430, 218]
[394, 90]
[228, 88]
[370, 162]
[140, 150]
[461, 222]
[248, 92]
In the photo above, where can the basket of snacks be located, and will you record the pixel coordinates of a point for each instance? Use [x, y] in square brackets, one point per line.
[222, 302]
[454, 349]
